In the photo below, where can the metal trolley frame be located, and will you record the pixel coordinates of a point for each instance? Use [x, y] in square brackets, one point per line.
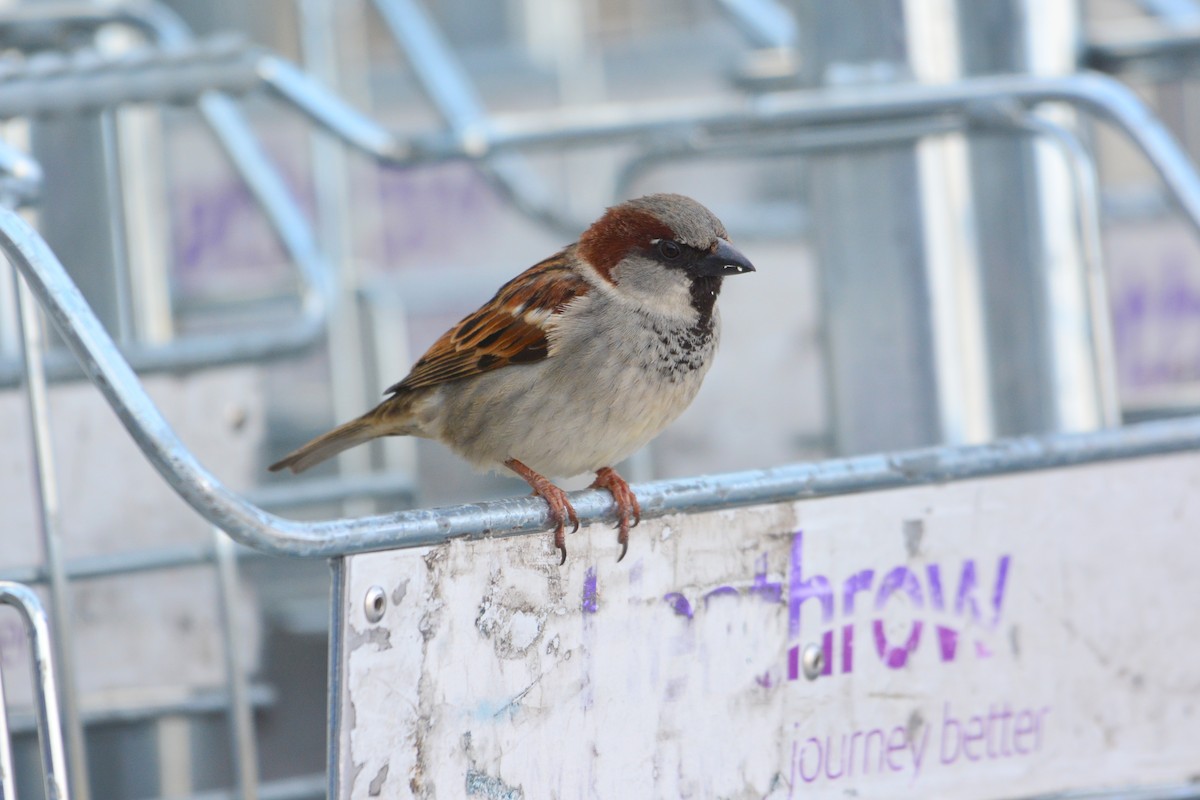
[180, 70]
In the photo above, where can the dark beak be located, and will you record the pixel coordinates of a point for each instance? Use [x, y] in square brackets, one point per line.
[725, 260]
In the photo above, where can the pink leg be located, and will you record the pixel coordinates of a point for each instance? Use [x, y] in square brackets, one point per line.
[629, 512]
[560, 508]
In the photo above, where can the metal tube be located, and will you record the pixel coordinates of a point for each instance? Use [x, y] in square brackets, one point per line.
[191, 704]
[1164, 56]
[46, 489]
[127, 563]
[85, 81]
[766, 23]
[334, 209]
[177, 53]
[446, 84]
[800, 142]
[1088, 219]
[333, 699]
[439, 73]
[222, 67]
[1097, 94]
[243, 748]
[214, 66]
[256, 528]
[1175, 13]
[55, 774]
[113, 184]
[8, 788]
[286, 495]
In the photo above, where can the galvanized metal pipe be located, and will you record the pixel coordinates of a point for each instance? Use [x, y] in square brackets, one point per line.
[243, 746]
[766, 23]
[46, 492]
[446, 84]
[204, 702]
[261, 530]
[789, 143]
[192, 70]
[50, 737]
[176, 53]
[109, 564]
[85, 80]
[256, 528]
[1097, 94]
[337, 655]
[1087, 190]
[8, 785]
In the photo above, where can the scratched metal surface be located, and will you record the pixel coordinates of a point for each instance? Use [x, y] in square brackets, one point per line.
[993, 637]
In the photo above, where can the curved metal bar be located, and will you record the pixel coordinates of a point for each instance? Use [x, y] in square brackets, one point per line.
[1171, 54]
[8, 780]
[1095, 93]
[51, 83]
[50, 737]
[1099, 95]
[788, 143]
[258, 529]
[447, 86]
[50, 528]
[177, 55]
[1087, 220]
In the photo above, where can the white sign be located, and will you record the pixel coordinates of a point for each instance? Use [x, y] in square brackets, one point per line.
[997, 637]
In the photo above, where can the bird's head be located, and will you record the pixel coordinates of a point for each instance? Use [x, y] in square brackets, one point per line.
[665, 252]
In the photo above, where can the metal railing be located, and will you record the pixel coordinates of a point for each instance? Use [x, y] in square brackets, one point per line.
[445, 83]
[186, 72]
[50, 737]
[173, 70]
[254, 527]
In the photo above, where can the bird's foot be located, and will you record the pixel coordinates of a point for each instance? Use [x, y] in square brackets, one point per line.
[561, 509]
[629, 512]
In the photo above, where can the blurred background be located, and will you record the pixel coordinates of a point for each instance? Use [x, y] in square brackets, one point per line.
[950, 279]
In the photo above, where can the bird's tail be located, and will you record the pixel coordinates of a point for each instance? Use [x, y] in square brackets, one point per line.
[327, 445]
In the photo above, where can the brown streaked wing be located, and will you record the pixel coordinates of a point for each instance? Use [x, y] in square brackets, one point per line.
[508, 329]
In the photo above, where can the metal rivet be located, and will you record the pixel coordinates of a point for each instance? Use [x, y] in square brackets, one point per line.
[375, 603]
[813, 660]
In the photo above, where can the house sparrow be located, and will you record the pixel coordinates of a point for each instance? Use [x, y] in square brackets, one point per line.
[575, 363]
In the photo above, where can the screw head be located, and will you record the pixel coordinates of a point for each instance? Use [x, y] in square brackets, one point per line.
[375, 603]
[813, 661]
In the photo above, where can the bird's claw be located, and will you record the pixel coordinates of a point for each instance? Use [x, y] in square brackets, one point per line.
[561, 509]
[629, 511]
[561, 512]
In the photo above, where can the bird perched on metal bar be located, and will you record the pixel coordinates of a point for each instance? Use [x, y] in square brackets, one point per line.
[575, 363]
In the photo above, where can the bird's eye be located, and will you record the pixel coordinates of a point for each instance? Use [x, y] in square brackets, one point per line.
[669, 250]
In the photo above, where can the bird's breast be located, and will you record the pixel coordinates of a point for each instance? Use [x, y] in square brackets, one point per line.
[611, 384]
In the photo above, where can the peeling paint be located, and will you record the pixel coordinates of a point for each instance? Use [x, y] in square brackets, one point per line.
[399, 592]
[524, 630]
[375, 787]
[480, 784]
[508, 618]
[380, 637]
